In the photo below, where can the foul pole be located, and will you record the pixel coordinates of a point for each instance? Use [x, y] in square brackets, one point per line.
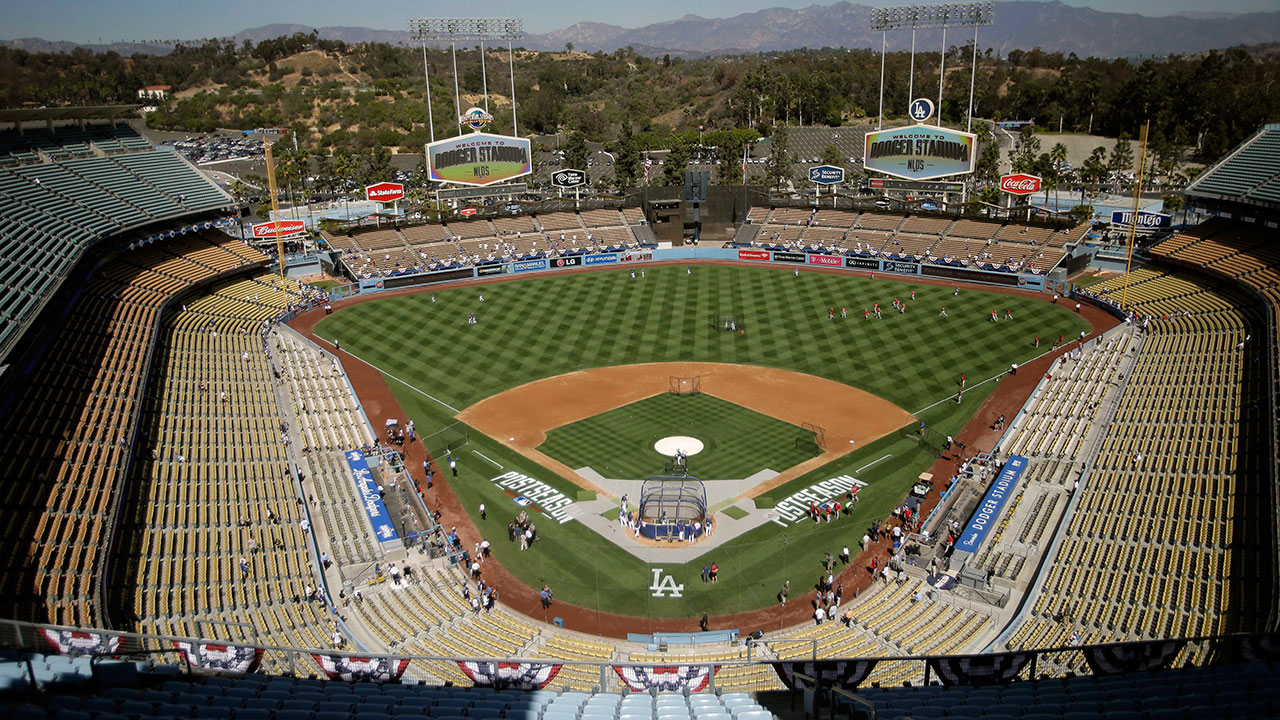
[1133, 219]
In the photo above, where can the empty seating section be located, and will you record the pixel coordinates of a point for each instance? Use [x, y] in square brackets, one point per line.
[834, 218]
[1249, 171]
[878, 221]
[68, 142]
[170, 174]
[559, 221]
[471, 229]
[53, 211]
[75, 447]
[330, 423]
[1168, 538]
[565, 646]
[603, 217]
[510, 225]
[422, 248]
[977, 229]
[926, 225]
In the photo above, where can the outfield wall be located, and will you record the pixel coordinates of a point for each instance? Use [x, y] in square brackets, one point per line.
[1027, 281]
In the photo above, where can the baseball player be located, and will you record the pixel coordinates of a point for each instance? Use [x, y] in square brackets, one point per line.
[944, 312]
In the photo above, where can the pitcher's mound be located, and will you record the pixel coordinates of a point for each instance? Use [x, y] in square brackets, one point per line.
[683, 443]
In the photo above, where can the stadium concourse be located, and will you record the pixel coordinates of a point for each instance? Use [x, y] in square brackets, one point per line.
[173, 450]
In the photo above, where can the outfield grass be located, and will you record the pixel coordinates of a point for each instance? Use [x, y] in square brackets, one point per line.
[737, 442]
[548, 325]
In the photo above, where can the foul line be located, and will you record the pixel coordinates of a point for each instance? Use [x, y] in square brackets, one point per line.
[873, 462]
[477, 452]
[402, 382]
[952, 398]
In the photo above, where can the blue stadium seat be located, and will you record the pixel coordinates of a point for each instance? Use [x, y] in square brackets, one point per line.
[212, 712]
[252, 714]
[293, 715]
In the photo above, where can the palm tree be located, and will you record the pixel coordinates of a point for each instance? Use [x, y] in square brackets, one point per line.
[1058, 155]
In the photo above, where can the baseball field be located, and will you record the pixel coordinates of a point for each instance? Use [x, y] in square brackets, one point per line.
[557, 328]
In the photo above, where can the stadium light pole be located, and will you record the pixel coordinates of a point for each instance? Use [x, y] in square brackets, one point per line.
[511, 67]
[973, 76]
[880, 122]
[481, 29]
[926, 17]
[911, 74]
[942, 71]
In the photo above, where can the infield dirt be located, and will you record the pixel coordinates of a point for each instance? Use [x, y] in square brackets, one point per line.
[520, 417]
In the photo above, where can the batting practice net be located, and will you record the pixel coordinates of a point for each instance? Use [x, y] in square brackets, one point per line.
[685, 385]
[812, 437]
[672, 507]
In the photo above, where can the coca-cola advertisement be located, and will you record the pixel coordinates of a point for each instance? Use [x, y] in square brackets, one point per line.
[1020, 184]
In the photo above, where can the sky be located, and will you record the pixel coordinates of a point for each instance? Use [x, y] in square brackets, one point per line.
[94, 21]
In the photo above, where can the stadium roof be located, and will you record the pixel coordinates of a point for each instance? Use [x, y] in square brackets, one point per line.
[81, 112]
[1250, 173]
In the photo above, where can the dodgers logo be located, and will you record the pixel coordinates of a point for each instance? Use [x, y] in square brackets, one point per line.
[665, 585]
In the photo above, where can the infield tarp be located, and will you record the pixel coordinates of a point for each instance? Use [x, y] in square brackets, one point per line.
[370, 499]
[984, 517]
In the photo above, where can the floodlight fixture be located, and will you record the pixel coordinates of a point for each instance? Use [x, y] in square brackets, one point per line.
[475, 28]
[926, 17]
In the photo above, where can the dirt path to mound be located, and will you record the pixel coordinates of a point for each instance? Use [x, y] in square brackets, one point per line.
[521, 417]
[379, 403]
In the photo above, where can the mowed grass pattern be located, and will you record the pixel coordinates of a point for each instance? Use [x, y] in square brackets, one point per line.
[544, 326]
[737, 442]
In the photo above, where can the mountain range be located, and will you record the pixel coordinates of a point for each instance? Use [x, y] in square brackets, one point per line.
[1025, 24]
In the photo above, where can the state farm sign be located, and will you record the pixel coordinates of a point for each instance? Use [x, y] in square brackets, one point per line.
[384, 192]
[1020, 184]
[266, 230]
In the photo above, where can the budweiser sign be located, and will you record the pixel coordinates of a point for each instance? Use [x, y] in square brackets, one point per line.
[467, 212]
[384, 192]
[1020, 184]
[267, 230]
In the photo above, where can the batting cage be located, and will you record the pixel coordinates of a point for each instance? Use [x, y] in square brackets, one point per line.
[729, 322]
[672, 507]
[684, 385]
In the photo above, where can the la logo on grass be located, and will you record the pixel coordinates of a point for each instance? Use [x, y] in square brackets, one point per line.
[665, 585]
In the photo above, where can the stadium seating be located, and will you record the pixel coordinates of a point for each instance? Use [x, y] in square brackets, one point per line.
[1167, 540]
[75, 449]
[54, 211]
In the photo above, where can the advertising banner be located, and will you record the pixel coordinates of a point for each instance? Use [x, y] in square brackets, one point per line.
[753, 254]
[790, 257]
[933, 187]
[571, 261]
[920, 152]
[527, 265]
[479, 159]
[384, 192]
[826, 175]
[483, 270]
[901, 267]
[985, 515]
[1148, 220]
[266, 230]
[370, 285]
[1021, 184]
[602, 259]
[828, 260]
[568, 178]
[863, 263]
[370, 498]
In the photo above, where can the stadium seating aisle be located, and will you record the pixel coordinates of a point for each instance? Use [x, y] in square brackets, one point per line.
[1168, 540]
[330, 423]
